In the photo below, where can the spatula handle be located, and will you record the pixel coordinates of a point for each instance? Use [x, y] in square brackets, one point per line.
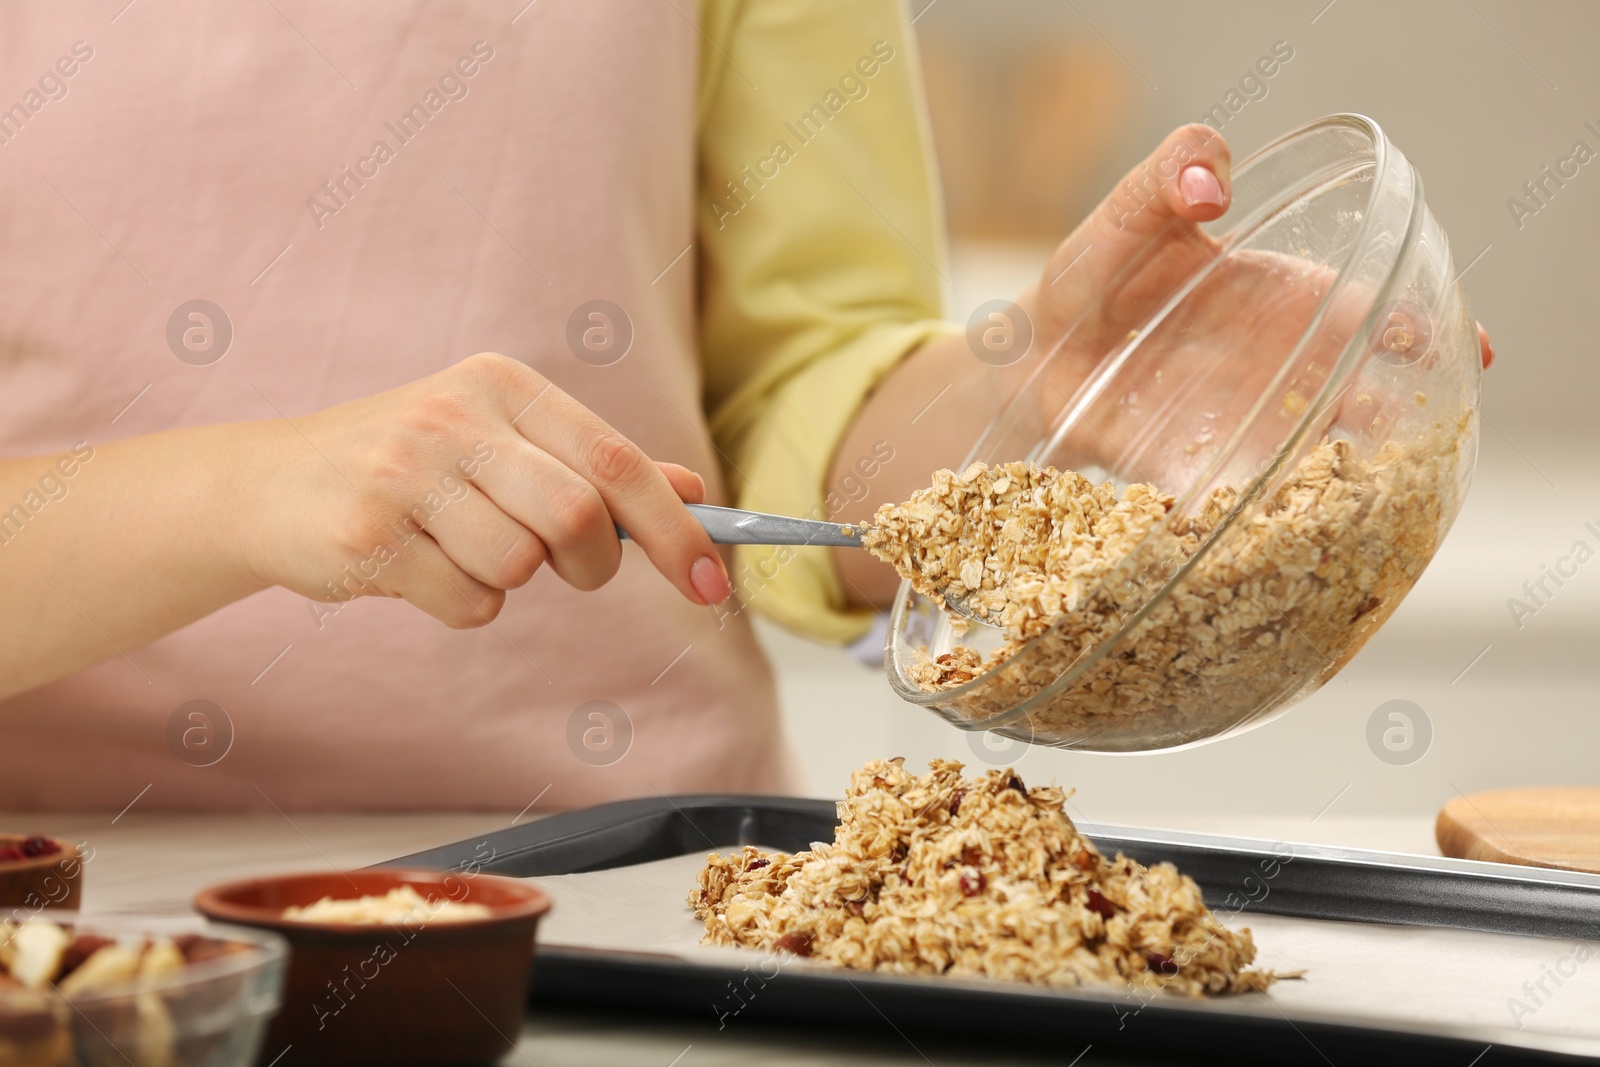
[735, 526]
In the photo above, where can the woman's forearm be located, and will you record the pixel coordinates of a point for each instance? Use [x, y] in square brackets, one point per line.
[930, 409]
[105, 548]
[447, 492]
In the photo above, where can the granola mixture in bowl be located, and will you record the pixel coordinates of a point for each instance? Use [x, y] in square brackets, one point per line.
[402, 904]
[940, 874]
[1211, 523]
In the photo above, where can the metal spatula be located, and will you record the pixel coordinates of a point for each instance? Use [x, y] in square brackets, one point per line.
[735, 526]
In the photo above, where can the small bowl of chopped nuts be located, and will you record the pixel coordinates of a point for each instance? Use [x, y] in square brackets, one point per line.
[1220, 479]
[79, 991]
[394, 966]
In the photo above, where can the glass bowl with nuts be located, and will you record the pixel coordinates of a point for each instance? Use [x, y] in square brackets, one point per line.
[82, 991]
[1218, 483]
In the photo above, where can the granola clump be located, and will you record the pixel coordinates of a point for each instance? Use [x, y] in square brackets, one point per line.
[941, 874]
[1019, 544]
[1303, 577]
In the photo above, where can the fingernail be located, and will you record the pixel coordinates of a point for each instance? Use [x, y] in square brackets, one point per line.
[1197, 185]
[710, 580]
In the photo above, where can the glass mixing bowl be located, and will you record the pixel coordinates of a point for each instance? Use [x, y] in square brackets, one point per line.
[1302, 376]
[211, 1012]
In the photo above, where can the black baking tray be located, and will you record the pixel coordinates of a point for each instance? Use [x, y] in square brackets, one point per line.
[1235, 875]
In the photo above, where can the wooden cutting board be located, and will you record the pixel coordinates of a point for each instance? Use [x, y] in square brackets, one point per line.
[1557, 827]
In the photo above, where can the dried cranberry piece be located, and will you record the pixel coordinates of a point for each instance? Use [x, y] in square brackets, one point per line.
[1100, 905]
[899, 853]
[972, 882]
[10, 854]
[1015, 782]
[795, 942]
[756, 865]
[1161, 963]
[955, 802]
[36, 846]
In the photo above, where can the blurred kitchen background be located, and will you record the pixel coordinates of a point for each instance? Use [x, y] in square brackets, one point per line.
[1037, 106]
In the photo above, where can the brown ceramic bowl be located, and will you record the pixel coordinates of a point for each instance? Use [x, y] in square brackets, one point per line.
[41, 882]
[429, 993]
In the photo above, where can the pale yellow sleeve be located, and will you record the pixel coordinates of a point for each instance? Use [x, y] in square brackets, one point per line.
[822, 261]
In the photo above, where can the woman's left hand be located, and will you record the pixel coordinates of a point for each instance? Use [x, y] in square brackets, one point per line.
[1249, 309]
[1183, 183]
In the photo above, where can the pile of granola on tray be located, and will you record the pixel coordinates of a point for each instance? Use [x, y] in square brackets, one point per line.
[1294, 589]
[940, 874]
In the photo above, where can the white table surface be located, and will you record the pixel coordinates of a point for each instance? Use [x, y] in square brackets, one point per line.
[153, 863]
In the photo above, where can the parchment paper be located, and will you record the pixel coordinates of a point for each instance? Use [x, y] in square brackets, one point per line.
[1483, 986]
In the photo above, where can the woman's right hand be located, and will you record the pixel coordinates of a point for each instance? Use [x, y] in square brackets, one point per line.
[451, 490]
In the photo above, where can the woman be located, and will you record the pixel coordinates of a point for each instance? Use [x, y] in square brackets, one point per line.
[280, 538]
